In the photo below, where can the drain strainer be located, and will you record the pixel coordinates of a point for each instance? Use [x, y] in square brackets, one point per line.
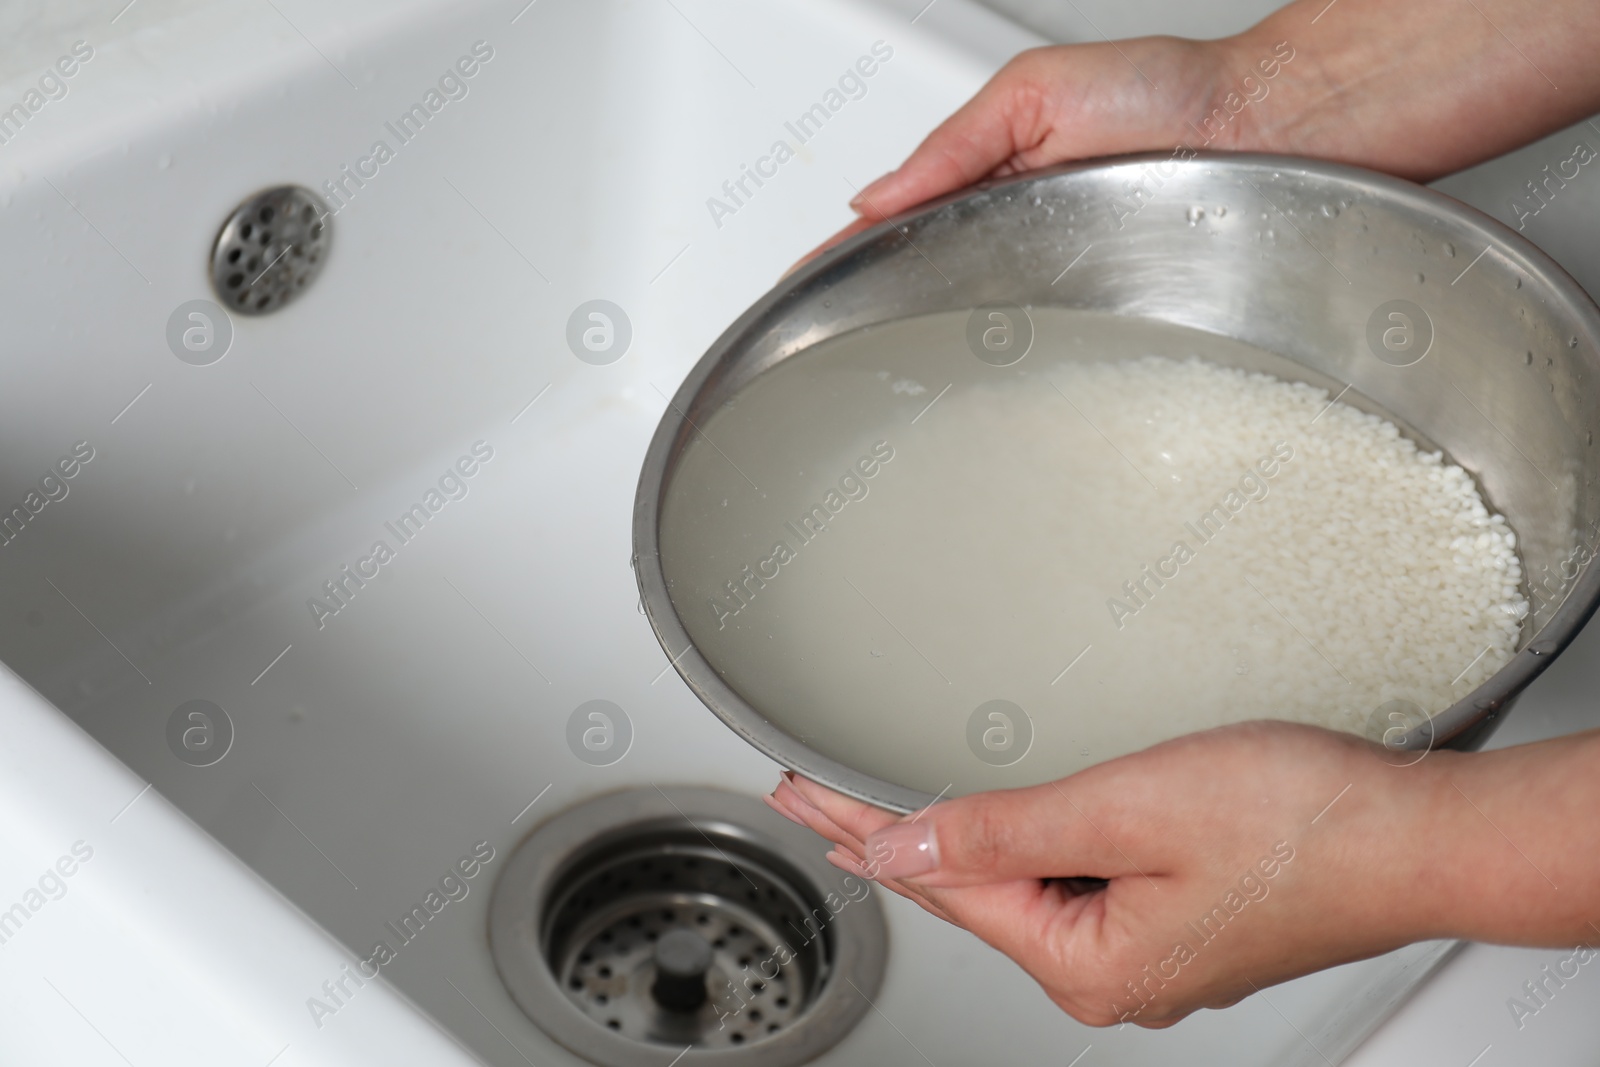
[685, 921]
[699, 964]
[271, 248]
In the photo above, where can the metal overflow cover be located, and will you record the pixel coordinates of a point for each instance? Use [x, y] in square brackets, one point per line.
[271, 248]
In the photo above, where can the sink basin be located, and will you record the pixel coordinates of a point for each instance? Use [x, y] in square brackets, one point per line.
[359, 739]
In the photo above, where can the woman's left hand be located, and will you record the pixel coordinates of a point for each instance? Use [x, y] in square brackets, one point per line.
[1193, 873]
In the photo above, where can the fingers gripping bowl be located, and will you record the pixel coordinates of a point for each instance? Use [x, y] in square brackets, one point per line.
[1389, 297]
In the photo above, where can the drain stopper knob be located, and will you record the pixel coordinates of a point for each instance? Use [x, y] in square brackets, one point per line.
[682, 959]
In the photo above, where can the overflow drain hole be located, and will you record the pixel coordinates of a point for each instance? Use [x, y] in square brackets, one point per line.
[270, 249]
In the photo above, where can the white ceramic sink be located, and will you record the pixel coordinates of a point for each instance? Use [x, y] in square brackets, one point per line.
[374, 747]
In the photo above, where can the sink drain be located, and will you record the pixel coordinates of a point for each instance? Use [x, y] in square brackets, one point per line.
[672, 943]
[685, 921]
[271, 248]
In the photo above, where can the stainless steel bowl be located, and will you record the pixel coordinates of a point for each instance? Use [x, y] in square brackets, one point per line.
[1510, 390]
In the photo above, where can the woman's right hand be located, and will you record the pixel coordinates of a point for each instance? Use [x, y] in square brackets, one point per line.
[1051, 105]
[1418, 89]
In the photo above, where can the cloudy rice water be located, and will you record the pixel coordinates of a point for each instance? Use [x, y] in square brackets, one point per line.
[1132, 533]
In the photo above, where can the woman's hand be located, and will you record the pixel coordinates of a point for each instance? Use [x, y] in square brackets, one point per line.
[1235, 859]
[1049, 105]
[1418, 89]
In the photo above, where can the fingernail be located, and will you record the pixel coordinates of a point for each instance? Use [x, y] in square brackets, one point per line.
[903, 850]
[781, 810]
[846, 863]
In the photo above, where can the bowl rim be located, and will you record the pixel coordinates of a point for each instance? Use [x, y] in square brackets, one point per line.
[1468, 718]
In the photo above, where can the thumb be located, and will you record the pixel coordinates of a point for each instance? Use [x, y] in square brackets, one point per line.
[1043, 831]
[849, 231]
[990, 129]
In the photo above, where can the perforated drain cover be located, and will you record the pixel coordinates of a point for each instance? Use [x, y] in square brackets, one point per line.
[615, 918]
[693, 921]
[271, 248]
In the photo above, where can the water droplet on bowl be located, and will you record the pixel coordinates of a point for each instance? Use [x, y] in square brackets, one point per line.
[1450, 250]
[1330, 211]
[1194, 215]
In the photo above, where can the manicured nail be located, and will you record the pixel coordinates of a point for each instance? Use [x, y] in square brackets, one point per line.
[846, 863]
[781, 810]
[903, 850]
